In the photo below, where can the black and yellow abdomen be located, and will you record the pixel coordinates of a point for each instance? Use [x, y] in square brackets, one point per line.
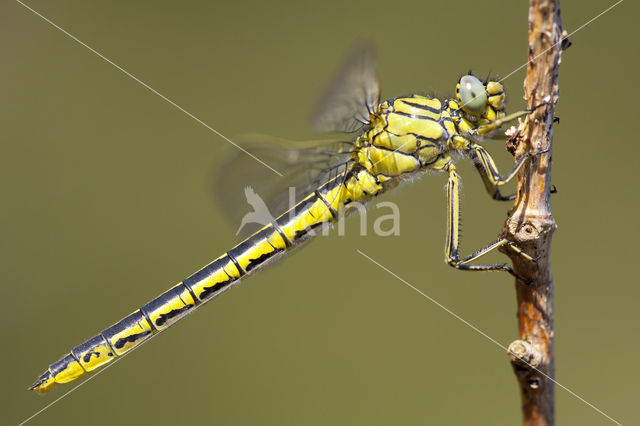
[296, 225]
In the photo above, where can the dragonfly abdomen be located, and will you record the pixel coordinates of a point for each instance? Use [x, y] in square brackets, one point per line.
[268, 244]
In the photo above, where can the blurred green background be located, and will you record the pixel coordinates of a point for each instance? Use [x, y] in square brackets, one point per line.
[106, 192]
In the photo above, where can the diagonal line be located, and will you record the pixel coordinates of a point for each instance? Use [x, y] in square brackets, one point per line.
[127, 73]
[569, 35]
[476, 329]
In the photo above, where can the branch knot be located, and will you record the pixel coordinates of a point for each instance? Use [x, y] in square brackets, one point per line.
[524, 355]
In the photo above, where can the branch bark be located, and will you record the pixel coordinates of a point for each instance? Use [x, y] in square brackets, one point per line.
[531, 224]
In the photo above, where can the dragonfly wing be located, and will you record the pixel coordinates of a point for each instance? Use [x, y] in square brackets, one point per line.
[351, 96]
[304, 165]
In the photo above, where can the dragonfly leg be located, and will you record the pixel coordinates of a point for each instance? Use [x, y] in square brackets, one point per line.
[496, 124]
[489, 173]
[452, 255]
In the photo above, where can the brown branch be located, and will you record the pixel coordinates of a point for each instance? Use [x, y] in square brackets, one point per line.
[531, 224]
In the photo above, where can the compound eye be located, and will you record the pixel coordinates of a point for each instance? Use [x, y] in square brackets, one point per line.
[473, 94]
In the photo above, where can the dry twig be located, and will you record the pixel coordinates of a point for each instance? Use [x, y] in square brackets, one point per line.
[531, 224]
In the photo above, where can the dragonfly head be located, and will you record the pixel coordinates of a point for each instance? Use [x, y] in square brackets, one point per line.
[479, 100]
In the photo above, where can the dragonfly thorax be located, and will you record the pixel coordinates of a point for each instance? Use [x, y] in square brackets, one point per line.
[405, 134]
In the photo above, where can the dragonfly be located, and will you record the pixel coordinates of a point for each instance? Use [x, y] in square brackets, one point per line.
[390, 141]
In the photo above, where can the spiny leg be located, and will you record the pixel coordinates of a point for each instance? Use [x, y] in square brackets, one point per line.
[499, 243]
[453, 234]
[489, 173]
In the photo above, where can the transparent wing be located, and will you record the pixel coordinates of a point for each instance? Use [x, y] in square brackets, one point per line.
[305, 166]
[351, 96]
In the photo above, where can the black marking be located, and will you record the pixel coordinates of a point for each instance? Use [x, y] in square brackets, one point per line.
[242, 249]
[424, 107]
[87, 357]
[427, 143]
[307, 230]
[125, 325]
[119, 344]
[417, 117]
[88, 347]
[206, 291]
[205, 273]
[163, 318]
[159, 303]
[254, 263]
[248, 244]
[377, 135]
